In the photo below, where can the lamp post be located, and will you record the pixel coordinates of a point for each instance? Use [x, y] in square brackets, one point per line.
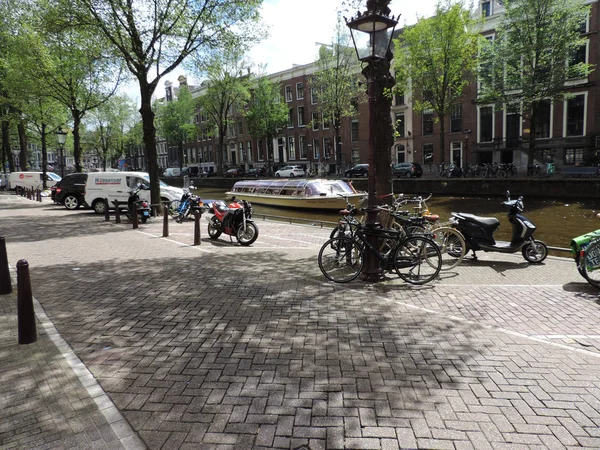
[372, 33]
[61, 137]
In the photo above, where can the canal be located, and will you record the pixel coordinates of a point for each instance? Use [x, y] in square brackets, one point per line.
[558, 221]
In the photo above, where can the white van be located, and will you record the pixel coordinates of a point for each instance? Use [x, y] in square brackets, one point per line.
[31, 180]
[172, 172]
[117, 185]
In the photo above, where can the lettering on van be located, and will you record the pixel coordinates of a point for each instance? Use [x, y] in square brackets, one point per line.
[100, 180]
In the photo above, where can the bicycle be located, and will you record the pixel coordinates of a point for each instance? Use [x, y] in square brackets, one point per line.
[341, 259]
[586, 251]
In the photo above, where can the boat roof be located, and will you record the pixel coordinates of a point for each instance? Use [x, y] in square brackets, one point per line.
[318, 185]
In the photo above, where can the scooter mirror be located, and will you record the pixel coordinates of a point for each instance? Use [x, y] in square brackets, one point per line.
[508, 194]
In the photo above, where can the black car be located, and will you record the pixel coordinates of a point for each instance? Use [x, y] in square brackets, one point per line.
[70, 191]
[257, 172]
[407, 169]
[359, 170]
[234, 172]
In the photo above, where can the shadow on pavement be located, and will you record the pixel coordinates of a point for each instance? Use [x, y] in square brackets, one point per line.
[228, 343]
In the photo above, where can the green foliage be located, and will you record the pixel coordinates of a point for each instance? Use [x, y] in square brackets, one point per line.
[267, 113]
[436, 58]
[175, 118]
[336, 81]
[529, 60]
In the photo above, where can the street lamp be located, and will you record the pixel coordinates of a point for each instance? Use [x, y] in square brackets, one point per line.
[372, 33]
[61, 137]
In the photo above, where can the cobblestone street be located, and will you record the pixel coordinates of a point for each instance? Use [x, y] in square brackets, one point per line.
[151, 342]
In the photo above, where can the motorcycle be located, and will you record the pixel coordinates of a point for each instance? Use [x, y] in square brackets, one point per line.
[134, 202]
[479, 233]
[234, 219]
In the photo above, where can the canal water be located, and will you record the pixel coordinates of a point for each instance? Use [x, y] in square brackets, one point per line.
[557, 221]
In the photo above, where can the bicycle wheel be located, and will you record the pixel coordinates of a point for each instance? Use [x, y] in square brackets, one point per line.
[341, 259]
[417, 260]
[452, 246]
[590, 264]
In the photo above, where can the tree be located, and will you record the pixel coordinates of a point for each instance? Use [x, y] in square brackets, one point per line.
[525, 68]
[435, 59]
[175, 120]
[336, 83]
[155, 36]
[227, 89]
[266, 114]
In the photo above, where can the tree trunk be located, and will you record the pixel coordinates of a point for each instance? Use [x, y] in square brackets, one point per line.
[77, 116]
[532, 131]
[146, 90]
[443, 138]
[22, 146]
[220, 152]
[44, 157]
[6, 151]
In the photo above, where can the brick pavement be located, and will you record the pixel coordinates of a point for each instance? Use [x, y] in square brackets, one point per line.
[220, 346]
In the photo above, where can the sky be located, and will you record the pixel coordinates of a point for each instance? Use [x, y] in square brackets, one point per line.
[295, 26]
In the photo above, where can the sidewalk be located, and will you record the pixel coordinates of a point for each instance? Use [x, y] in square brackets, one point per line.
[221, 346]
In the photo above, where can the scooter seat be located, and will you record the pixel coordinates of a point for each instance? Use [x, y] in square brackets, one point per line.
[487, 221]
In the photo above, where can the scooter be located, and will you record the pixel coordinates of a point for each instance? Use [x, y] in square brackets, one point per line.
[479, 233]
[134, 202]
[234, 219]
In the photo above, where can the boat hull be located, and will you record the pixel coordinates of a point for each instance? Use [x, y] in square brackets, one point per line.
[335, 203]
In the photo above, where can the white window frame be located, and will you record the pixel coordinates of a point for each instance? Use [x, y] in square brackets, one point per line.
[585, 110]
[298, 97]
[315, 123]
[291, 148]
[302, 147]
[479, 122]
[291, 97]
[301, 116]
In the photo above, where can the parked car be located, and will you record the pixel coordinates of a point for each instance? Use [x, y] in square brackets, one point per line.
[257, 172]
[205, 173]
[70, 191]
[407, 169]
[359, 170]
[290, 172]
[235, 172]
[172, 172]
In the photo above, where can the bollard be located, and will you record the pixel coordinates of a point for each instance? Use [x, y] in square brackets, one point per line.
[106, 211]
[166, 220]
[40, 195]
[25, 311]
[117, 211]
[135, 216]
[5, 284]
[197, 216]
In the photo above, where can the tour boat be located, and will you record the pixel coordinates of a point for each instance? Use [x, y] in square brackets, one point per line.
[303, 193]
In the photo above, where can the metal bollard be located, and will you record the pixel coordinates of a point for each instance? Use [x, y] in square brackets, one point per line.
[38, 195]
[106, 211]
[165, 219]
[5, 284]
[25, 311]
[117, 211]
[197, 216]
[135, 216]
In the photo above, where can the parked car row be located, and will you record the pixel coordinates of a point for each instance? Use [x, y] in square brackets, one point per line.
[90, 189]
[405, 169]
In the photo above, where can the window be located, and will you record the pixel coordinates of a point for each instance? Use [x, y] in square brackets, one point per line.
[542, 121]
[326, 147]
[485, 124]
[313, 96]
[354, 130]
[288, 93]
[573, 155]
[302, 147]
[249, 150]
[242, 154]
[427, 122]
[486, 9]
[325, 124]
[400, 153]
[261, 151]
[399, 99]
[400, 124]
[578, 56]
[427, 153]
[299, 91]
[301, 116]
[456, 117]
[315, 121]
[240, 127]
[316, 149]
[575, 116]
[291, 118]
[291, 148]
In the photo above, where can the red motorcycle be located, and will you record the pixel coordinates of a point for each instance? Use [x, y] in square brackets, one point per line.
[234, 219]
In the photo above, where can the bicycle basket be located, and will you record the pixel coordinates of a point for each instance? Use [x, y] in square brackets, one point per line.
[385, 218]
